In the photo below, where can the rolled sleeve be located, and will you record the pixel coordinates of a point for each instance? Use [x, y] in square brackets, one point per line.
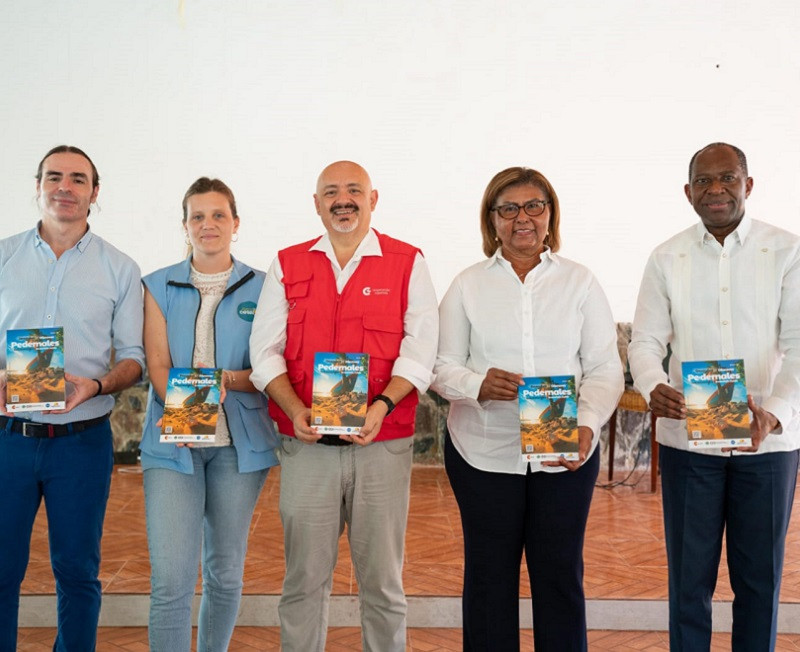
[127, 321]
[268, 336]
[421, 329]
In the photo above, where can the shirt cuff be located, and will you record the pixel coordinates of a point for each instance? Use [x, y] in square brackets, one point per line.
[590, 420]
[265, 371]
[415, 373]
[646, 383]
[781, 409]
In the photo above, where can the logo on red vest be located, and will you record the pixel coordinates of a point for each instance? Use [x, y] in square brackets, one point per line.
[368, 291]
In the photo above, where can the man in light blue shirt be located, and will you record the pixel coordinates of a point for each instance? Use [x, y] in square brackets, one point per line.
[61, 274]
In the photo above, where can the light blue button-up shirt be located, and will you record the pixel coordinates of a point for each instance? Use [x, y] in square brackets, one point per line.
[93, 291]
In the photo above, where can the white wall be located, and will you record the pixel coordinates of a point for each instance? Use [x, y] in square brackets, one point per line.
[608, 99]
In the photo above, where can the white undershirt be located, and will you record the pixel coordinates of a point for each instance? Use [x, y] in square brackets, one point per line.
[211, 288]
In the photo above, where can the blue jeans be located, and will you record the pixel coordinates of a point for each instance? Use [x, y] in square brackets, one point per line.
[209, 509]
[72, 474]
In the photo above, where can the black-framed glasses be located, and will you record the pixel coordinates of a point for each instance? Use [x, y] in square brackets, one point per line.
[532, 208]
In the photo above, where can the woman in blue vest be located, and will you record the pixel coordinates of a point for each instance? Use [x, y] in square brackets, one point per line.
[201, 496]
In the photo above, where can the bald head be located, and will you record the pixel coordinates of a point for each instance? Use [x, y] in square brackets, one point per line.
[345, 199]
[343, 170]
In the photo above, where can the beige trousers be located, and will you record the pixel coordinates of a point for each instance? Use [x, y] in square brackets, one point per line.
[324, 488]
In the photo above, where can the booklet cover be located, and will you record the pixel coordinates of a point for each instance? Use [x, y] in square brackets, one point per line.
[716, 403]
[35, 369]
[548, 418]
[191, 406]
[339, 395]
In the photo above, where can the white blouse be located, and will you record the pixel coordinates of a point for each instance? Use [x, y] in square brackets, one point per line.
[556, 322]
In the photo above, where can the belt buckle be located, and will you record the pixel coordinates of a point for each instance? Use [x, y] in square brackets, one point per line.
[32, 424]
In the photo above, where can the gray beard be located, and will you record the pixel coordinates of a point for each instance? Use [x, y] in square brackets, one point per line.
[345, 227]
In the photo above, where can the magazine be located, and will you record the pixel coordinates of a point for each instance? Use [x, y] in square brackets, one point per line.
[548, 418]
[716, 403]
[35, 369]
[339, 395]
[192, 405]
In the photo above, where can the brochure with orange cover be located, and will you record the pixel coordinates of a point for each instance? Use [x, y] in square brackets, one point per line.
[339, 394]
[35, 369]
[192, 405]
[716, 403]
[548, 418]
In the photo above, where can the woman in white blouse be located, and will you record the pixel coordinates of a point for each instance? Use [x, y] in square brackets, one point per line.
[522, 312]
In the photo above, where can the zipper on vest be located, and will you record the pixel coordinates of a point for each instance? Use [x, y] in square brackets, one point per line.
[336, 308]
[227, 292]
[178, 284]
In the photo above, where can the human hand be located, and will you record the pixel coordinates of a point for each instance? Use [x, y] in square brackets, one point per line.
[761, 424]
[499, 385]
[3, 382]
[82, 390]
[376, 413]
[302, 428]
[584, 445]
[179, 444]
[666, 401]
[227, 380]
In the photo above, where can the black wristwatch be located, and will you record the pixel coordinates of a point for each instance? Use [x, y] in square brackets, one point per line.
[387, 400]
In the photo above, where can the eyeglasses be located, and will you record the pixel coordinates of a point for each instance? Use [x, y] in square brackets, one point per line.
[532, 208]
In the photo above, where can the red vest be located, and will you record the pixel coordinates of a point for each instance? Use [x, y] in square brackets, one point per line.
[367, 317]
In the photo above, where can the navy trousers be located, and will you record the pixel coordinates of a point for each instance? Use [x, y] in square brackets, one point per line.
[72, 474]
[503, 513]
[749, 498]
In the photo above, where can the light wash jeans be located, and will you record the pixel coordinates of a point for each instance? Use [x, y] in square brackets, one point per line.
[212, 509]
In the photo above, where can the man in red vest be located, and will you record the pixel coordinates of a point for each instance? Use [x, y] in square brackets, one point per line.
[352, 290]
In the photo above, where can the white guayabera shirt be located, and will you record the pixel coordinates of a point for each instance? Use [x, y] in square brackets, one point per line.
[714, 302]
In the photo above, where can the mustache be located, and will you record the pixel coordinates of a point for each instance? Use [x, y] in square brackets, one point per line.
[350, 206]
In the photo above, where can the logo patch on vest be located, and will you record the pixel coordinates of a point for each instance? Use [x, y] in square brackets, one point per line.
[247, 310]
[367, 291]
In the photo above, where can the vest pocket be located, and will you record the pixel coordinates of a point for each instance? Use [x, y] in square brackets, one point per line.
[255, 419]
[297, 286]
[294, 333]
[382, 335]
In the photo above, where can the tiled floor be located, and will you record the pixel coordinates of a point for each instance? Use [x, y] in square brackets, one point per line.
[347, 639]
[624, 556]
[624, 549]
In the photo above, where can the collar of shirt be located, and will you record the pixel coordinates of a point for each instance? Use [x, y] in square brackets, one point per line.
[497, 258]
[81, 245]
[369, 246]
[740, 233]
